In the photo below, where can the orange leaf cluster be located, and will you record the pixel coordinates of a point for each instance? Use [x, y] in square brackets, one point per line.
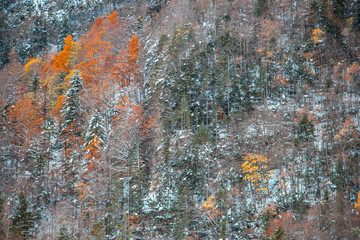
[318, 35]
[209, 206]
[26, 119]
[357, 205]
[61, 61]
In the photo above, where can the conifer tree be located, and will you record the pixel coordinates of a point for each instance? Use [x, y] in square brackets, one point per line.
[305, 128]
[64, 234]
[278, 233]
[96, 129]
[181, 214]
[223, 230]
[23, 220]
[2, 214]
[72, 109]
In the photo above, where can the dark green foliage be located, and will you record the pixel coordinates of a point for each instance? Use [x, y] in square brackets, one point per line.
[163, 39]
[221, 197]
[63, 32]
[2, 214]
[202, 136]
[299, 205]
[23, 220]
[40, 36]
[261, 7]
[278, 233]
[71, 109]
[339, 8]
[24, 51]
[338, 177]
[326, 195]
[97, 231]
[166, 147]
[267, 216]
[5, 49]
[137, 181]
[36, 156]
[314, 6]
[181, 210]
[64, 234]
[223, 234]
[177, 42]
[139, 185]
[305, 129]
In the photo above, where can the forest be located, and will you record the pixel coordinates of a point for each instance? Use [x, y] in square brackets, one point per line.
[179, 119]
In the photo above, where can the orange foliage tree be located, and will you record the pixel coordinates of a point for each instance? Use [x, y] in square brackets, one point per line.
[95, 52]
[209, 206]
[125, 70]
[26, 120]
[61, 61]
[357, 204]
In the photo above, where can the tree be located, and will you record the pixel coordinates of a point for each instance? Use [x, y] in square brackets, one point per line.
[2, 214]
[210, 208]
[181, 214]
[305, 128]
[357, 204]
[23, 220]
[318, 36]
[278, 233]
[94, 138]
[95, 53]
[71, 110]
[64, 234]
[26, 121]
[255, 168]
[62, 60]
[125, 70]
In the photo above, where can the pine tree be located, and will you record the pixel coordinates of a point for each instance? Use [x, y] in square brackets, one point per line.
[339, 8]
[181, 214]
[278, 233]
[96, 129]
[223, 230]
[339, 176]
[64, 234]
[72, 110]
[40, 36]
[23, 220]
[305, 128]
[2, 214]
[97, 231]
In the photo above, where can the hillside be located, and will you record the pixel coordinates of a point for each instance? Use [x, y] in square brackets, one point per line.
[178, 119]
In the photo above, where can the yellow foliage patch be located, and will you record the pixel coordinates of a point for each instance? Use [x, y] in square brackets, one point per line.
[210, 207]
[255, 169]
[318, 35]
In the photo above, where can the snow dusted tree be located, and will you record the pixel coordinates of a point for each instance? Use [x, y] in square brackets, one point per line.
[23, 219]
[94, 139]
[64, 234]
[71, 108]
[96, 130]
[71, 131]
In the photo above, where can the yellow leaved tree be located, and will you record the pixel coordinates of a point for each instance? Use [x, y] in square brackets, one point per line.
[318, 35]
[357, 204]
[255, 168]
[210, 208]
